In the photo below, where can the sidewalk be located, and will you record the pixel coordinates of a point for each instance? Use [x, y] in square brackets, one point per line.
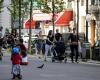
[86, 62]
[68, 59]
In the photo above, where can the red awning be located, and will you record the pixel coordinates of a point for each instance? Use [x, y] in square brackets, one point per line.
[64, 19]
[42, 17]
[27, 24]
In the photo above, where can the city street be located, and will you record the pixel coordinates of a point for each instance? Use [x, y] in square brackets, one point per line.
[42, 25]
[51, 71]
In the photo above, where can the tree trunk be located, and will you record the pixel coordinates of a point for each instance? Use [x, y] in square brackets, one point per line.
[30, 29]
[19, 19]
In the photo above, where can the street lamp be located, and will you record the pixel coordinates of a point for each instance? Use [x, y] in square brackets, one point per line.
[77, 16]
[86, 21]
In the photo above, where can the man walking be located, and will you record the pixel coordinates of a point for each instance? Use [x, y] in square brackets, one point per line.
[74, 39]
[58, 36]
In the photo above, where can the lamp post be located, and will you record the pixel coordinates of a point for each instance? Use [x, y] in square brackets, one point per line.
[77, 16]
[86, 21]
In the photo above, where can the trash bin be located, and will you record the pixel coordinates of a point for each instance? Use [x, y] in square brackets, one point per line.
[96, 51]
[86, 51]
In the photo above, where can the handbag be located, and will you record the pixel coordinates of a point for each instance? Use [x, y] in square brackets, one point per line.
[24, 61]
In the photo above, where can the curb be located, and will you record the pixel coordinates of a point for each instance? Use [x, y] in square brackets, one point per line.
[68, 59]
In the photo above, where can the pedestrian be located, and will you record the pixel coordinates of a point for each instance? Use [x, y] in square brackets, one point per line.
[74, 39]
[11, 40]
[58, 36]
[23, 52]
[16, 59]
[39, 44]
[49, 44]
[22, 48]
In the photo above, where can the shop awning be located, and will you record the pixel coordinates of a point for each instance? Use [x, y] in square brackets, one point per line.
[64, 19]
[42, 17]
[27, 24]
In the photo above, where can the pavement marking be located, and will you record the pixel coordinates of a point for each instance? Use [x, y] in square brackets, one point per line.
[52, 75]
[2, 65]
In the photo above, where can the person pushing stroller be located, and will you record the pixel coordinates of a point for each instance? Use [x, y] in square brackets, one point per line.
[59, 47]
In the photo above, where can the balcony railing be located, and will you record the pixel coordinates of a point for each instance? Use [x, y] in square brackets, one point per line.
[94, 9]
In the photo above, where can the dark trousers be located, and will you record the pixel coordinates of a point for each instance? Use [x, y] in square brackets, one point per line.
[74, 51]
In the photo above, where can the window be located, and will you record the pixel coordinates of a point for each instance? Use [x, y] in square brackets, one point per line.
[92, 2]
[82, 2]
[95, 2]
[37, 25]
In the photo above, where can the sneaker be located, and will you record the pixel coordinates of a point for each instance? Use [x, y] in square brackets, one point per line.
[19, 76]
[0, 57]
[72, 61]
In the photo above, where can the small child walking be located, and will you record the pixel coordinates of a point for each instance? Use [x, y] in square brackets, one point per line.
[16, 59]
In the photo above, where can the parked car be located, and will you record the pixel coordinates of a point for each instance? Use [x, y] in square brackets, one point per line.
[26, 37]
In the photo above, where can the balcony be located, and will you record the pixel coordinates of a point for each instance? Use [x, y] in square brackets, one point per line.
[94, 9]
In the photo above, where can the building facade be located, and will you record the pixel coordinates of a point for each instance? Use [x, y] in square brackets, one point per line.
[87, 13]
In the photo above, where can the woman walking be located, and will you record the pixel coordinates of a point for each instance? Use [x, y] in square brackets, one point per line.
[39, 45]
[49, 43]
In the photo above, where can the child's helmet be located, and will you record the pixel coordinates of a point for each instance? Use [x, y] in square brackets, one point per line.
[15, 50]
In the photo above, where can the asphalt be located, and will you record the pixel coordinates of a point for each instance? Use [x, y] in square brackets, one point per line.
[89, 70]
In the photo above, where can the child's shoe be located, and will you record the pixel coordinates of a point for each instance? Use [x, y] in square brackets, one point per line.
[19, 76]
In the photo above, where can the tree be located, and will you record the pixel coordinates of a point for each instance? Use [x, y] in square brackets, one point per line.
[44, 6]
[51, 6]
[13, 9]
[30, 29]
[1, 5]
[47, 7]
[16, 11]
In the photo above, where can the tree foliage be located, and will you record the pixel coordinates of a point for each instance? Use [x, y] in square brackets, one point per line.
[46, 5]
[1, 5]
[14, 6]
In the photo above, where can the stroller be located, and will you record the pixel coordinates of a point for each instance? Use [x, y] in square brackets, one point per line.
[59, 52]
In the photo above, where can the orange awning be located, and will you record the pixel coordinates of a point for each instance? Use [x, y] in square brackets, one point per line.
[27, 24]
[64, 19]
